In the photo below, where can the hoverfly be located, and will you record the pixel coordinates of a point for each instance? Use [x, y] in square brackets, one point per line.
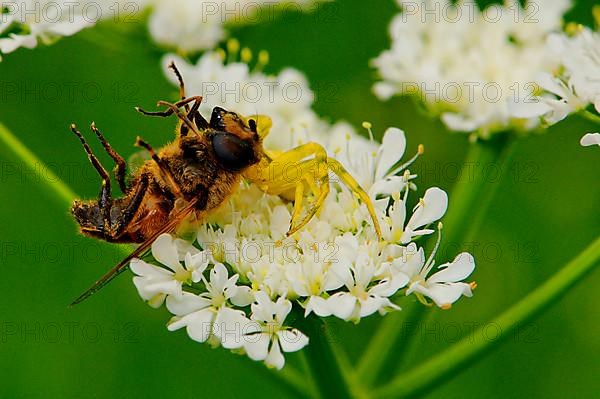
[196, 173]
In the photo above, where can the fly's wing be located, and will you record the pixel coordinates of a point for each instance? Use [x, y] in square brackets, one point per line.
[122, 266]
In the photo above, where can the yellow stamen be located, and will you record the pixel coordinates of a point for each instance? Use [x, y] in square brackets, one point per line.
[246, 55]
[233, 46]
[573, 28]
[446, 306]
[263, 59]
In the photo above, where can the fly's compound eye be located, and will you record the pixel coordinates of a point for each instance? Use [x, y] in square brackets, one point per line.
[232, 152]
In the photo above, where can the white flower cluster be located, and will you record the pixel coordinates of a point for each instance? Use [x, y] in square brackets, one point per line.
[24, 23]
[193, 25]
[468, 64]
[574, 86]
[186, 25]
[243, 283]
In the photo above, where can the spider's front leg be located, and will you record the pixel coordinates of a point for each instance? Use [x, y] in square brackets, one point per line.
[303, 169]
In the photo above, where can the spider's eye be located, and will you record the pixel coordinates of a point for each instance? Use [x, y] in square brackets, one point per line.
[232, 152]
[252, 125]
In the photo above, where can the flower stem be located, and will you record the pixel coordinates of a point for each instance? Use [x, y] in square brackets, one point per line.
[589, 116]
[322, 361]
[475, 189]
[470, 198]
[449, 362]
[54, 185]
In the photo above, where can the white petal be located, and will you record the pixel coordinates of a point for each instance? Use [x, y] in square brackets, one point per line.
[188, 303]
[590, 139]
[198, 324]
[165, 251]
[391, 150]
[528, 109]
[196, 263]
[411, 262]
[384, 91]
[70, 28]
[338, 275]
[275, 357]
[13, 42]
[432, 208]
[282, 309]
[219, 279]
[229, 327]
[243, 296]
[371, 305]
[444, 294]
[164, 286]
[257, 346]
[551, 84]
[459, 269]
[342, 305]
[388, 186]
[262, 308]
[144, 269]
[292, 340]
[389, 286]
[317, 305]
[458, 122]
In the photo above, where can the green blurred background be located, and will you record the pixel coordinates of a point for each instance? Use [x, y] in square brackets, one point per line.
[546, 210]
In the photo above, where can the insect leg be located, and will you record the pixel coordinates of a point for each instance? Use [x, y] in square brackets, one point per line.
[195, 116]
[169, 111]
[120, 167]
[173, 67]
[164, 169]
[105, 200]
[128, 213]
[291, 174]
[320, 192]
[175, 109]
[336, 167]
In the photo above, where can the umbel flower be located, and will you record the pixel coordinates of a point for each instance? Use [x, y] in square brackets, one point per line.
[467, 64]
[23, 23]
[574, 86]
[185, 25]
[244, 284]
[26, 23]
[194, 25]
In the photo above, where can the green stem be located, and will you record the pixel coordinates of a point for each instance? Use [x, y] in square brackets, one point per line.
[474, 191]
[469, 200]
[450, 361]
[589, 116]
[52, 182]
[323, 364]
